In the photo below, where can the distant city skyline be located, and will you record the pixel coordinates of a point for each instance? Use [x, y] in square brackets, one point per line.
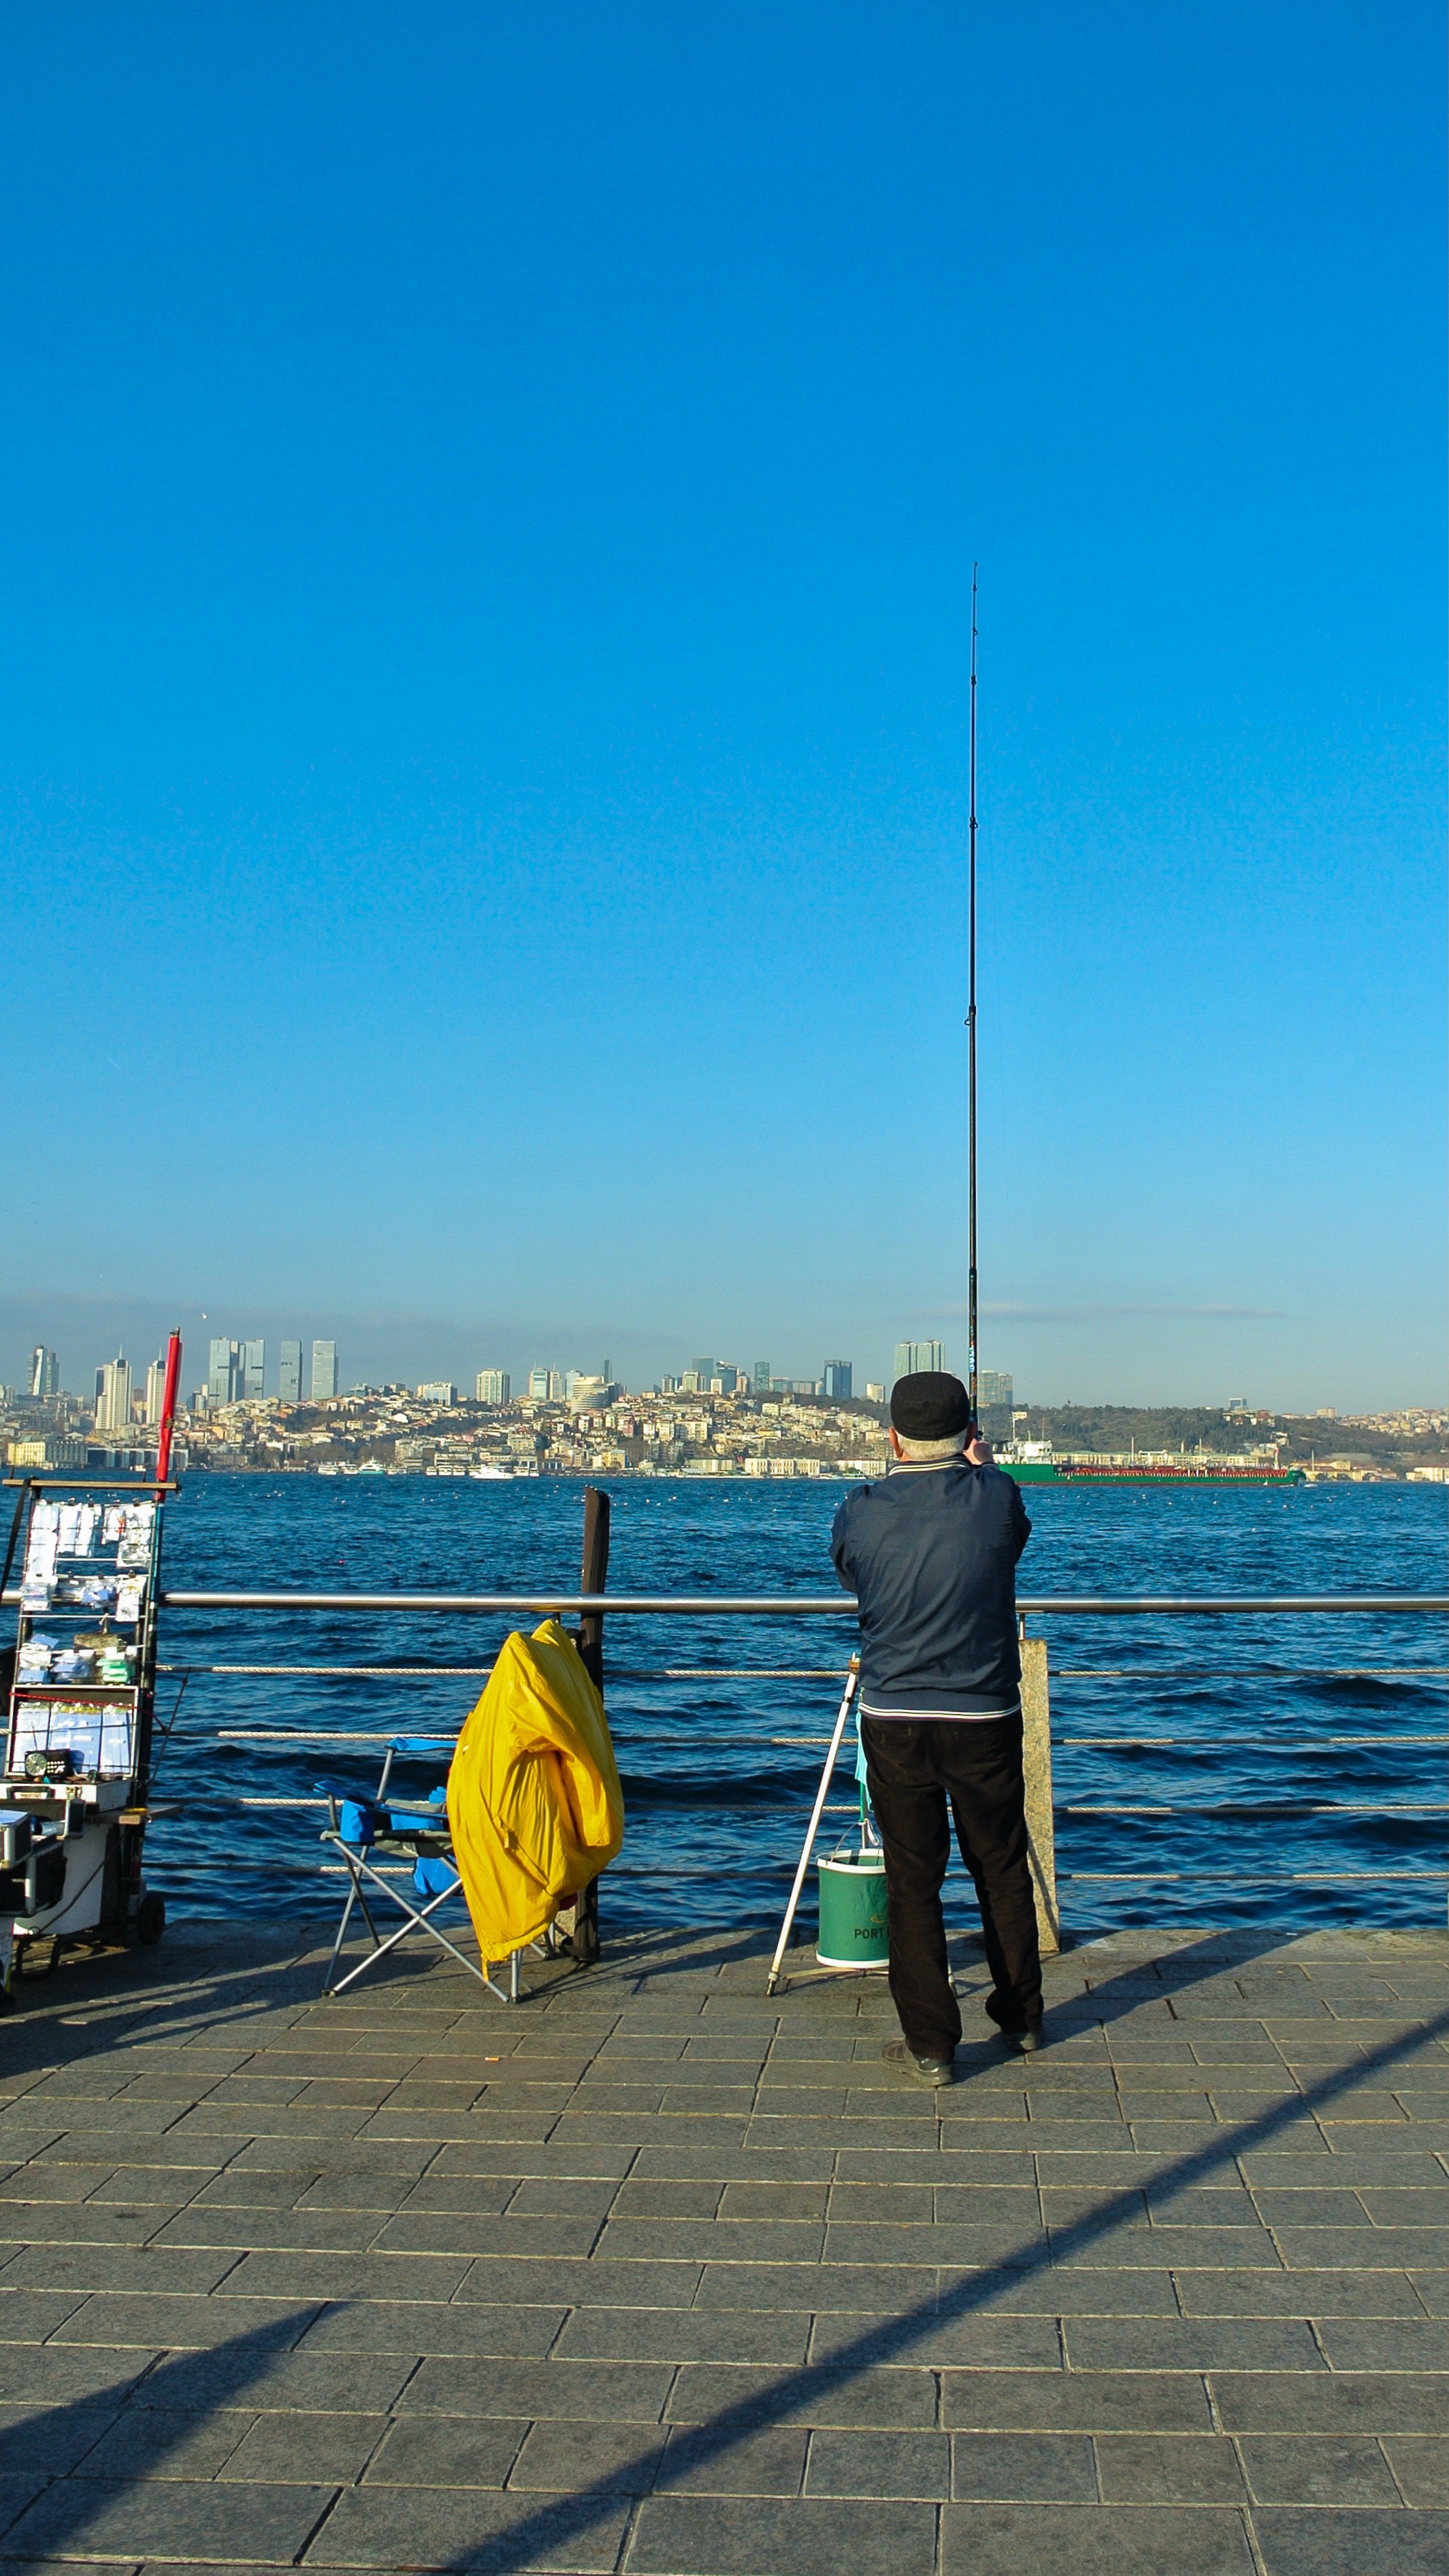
[416, 1352]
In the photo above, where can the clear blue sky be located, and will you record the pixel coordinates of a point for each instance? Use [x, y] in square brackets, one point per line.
[489, 496]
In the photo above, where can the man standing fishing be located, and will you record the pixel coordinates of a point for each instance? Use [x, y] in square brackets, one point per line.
[931, 1554]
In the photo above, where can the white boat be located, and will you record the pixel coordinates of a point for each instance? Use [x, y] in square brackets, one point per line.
[490, 1475]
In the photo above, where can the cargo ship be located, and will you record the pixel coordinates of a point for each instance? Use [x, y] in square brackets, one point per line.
[1034, 1462]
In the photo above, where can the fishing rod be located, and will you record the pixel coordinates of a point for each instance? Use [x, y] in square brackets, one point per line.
[971, 1032]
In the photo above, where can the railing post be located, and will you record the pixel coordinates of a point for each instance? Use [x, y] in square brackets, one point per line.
[578, 1923]
[1036, 1727]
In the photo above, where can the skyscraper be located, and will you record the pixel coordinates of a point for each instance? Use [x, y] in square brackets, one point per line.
[493, 1386]
[762, 1377]
[155, 1391]
[837, 1380]
[223, 1372]
[538, 1385]
[913, 1356]
[289, 1374]
[254, 1360]
[113, 1405]
[44, 1372]
[324, 1372]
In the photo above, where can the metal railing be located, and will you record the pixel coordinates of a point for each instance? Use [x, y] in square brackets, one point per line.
[842, 1607]
[835, 1605]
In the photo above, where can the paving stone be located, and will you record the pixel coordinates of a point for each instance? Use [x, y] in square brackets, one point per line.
[597, 2281]
[28, 2316]
[1296, 2294]
[423, 2326]
[1006, 2468]
[242, 2231]
[171, 2319]
[52, 2438]
[464, 2233]
[458, 2528]
[873, 2399]
[1323, 2469]
[706, 2240]
[310, 2447]
[305, 2381]
[83, 2267]
[165, 2442]
[1403, 2344]
[1329, 2402]
[442, 2451]
[988, 2342]
[761, 2536]
[1168, 2343]
[879, 2464]
[54, 2375]
[314, 2276]
[683, 2335]
[1073, 2401]
[574, 2391]
[1420, 2465]
[166, 2518]
[1168, 2468]
[1361, 2542]
[1093, 2540]
[607, 2458]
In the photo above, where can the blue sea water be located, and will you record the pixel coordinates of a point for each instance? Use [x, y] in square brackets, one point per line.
[1224, 1771]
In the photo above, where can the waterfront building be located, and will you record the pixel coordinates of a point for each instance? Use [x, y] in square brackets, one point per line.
[289, 1373]
[995, 1399]
[44, 1372]
[836, 1380]
[438, 1391]
[113, 1399]
[914, 1356]
[324, 1372]
[493, 1386]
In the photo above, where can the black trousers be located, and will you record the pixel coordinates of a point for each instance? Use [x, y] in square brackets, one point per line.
[915, 1767]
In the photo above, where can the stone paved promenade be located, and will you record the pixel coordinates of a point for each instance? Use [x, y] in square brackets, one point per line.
[653, 2275]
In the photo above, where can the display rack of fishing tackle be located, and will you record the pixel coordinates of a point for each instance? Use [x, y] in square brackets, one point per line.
[79, 1719]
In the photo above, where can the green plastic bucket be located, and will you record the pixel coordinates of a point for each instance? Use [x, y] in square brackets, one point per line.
[853, 1911]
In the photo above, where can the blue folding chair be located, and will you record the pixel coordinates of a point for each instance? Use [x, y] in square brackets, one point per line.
[363, 1830]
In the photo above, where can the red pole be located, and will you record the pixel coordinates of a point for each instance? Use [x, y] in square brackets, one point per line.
[168, 1408]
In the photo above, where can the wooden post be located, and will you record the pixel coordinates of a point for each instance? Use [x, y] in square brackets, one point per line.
[1036, 1726]
[579, 1923]
[594, 1579]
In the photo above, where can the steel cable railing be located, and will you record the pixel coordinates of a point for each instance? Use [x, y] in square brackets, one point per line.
[840, 1606]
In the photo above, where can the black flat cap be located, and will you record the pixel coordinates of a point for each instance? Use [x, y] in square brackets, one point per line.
[929, 1405]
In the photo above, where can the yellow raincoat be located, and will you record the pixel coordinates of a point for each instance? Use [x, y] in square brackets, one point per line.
[534, 1800]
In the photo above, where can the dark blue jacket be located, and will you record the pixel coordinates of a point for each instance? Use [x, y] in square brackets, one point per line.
[931, 1553]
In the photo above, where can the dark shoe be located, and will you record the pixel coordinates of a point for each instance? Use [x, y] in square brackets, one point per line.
[922, 2070]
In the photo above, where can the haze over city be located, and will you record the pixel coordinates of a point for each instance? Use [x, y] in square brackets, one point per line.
[491, 501]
